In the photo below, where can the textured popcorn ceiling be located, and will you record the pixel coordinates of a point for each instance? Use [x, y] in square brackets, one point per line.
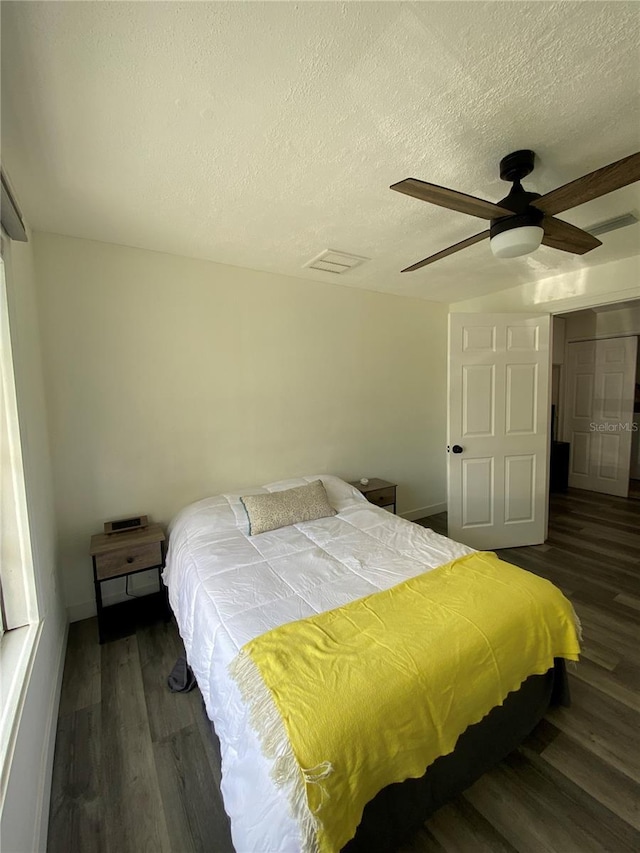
[260, 134]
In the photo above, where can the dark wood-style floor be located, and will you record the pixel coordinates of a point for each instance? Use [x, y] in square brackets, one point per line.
[135, 768]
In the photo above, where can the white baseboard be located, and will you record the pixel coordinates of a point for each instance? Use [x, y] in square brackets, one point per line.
[424, 511]
[87, 609]
[78, 612]
[44, 784]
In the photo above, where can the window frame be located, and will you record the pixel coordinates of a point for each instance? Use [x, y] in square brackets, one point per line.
[17, 579]
[21, 619]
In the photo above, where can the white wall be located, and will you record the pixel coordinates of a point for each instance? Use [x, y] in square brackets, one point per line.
[26, 805]
[581, 325]
[170, 379]
[612, 282]
[558, 342]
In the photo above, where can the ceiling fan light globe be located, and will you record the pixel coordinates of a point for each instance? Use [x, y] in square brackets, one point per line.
[517, 241]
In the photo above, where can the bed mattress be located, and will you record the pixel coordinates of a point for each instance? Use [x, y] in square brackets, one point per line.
[226, 588]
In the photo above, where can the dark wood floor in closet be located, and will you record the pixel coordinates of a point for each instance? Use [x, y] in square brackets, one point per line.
[135, 768]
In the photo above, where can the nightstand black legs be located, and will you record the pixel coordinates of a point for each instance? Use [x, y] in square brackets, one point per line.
[99, 608]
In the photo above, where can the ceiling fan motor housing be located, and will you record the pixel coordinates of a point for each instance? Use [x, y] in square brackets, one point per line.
[520, 201]
[514, 167]
[528, 216]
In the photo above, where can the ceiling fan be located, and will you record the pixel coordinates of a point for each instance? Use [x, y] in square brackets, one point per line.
[522, 220]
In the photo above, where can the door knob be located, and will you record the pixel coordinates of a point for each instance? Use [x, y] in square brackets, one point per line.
[457, 449]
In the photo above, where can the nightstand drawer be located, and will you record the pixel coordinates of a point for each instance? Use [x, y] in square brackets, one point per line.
[382, 497]
[128, 559]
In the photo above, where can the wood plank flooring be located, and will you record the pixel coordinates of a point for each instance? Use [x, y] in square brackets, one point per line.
[136, 769]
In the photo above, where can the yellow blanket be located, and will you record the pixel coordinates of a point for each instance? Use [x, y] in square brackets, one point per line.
[373, 692]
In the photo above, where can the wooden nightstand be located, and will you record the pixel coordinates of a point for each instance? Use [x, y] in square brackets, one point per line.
[119, 555]
[378, 492]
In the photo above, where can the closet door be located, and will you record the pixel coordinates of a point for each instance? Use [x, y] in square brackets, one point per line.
[599, 413]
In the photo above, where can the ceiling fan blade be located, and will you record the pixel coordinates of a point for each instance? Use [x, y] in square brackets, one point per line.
[451, 199]
[595, 184]
[566, 237]
[450, 251]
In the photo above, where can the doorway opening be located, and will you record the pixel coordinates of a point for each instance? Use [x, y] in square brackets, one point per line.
[595, 400]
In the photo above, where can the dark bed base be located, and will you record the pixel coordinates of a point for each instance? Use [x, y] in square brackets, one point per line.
[400, 810]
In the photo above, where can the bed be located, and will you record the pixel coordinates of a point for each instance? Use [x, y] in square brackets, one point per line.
[226, 588]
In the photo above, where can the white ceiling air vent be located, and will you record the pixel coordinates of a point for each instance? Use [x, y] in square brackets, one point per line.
[335, 262]
[612, 224]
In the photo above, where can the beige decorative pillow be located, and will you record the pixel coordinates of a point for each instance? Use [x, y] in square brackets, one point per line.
[290, 506]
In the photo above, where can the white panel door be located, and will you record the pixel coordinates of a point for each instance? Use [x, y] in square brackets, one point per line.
[499, 369]
[599, 413]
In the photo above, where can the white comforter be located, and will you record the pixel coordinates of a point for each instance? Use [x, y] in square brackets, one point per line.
[226, 588]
